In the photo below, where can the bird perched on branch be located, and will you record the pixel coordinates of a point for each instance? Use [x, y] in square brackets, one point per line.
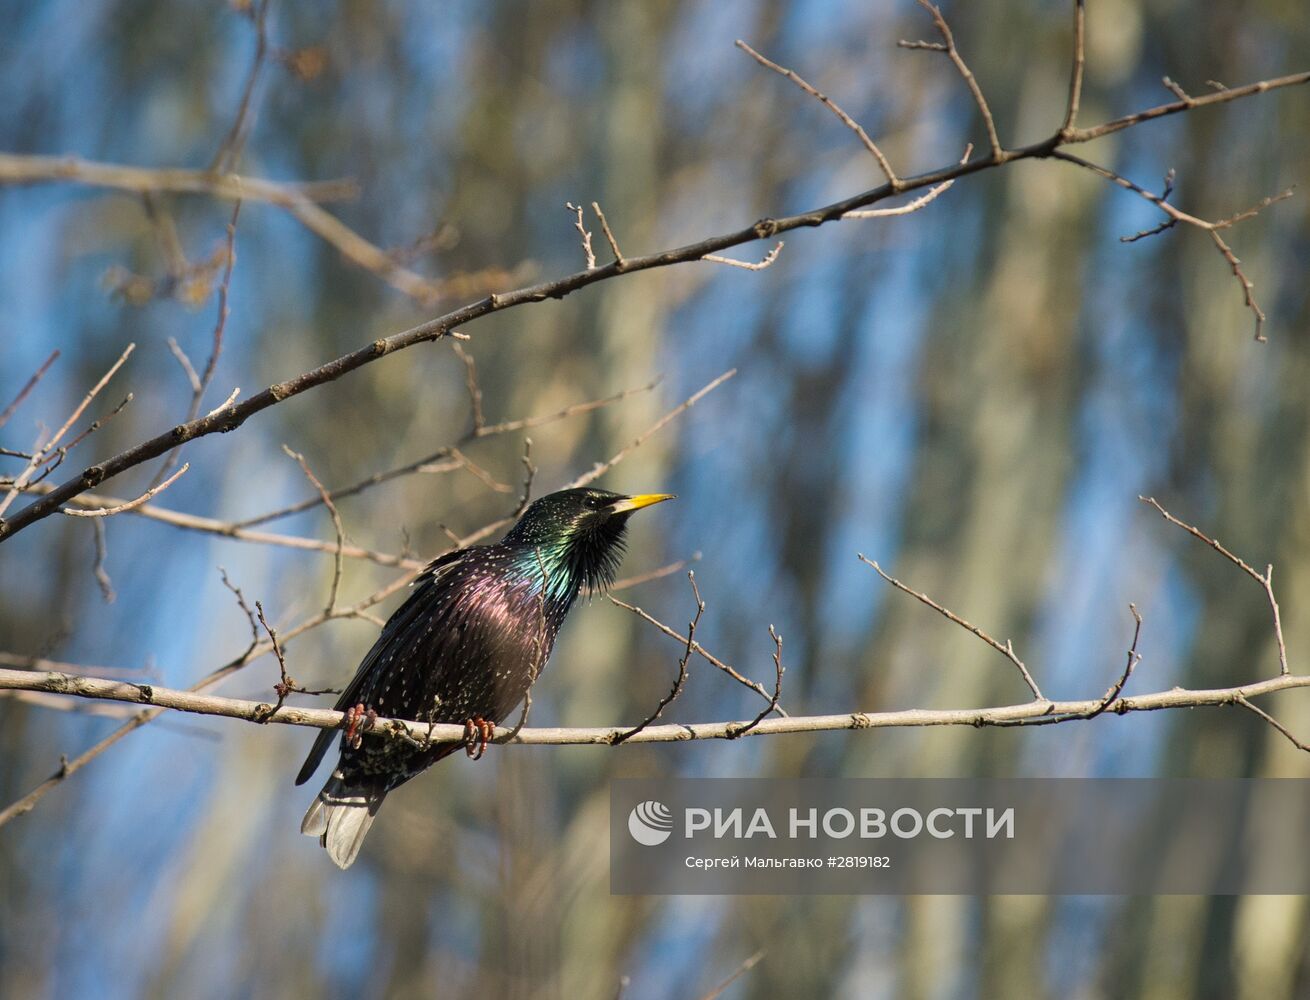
[464, 648]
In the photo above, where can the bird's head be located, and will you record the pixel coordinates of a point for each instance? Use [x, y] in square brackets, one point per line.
[578, 533]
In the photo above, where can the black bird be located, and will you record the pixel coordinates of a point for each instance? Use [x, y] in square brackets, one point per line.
[464, 648]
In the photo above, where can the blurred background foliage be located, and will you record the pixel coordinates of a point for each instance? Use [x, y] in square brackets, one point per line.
[974, 395]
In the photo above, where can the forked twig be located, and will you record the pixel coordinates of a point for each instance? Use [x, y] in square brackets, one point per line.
[681, 679]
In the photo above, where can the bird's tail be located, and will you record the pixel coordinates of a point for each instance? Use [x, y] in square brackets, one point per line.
[341, 816]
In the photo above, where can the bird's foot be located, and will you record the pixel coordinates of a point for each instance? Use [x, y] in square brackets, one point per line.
[477, 733]
[359, 720]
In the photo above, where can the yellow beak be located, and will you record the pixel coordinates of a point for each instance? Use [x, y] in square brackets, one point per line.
[639, 501]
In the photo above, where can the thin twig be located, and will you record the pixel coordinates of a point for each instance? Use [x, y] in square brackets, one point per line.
[429, 463]
[1006, 649]
[28, 387]
[583, 232]
[1164, 226]
[654, 574]
[609, 235]
[474, 390]
[779, 670]
[1254, 210]
[229, 151]
[699, 650]
[337, 526]
[1241, 700]
[1134, 657]
[740, 971]
[121, 508]
[1176, 90]
[232, 398]
[188, 369]
[285, 684]
[769, 258]
[831, 105]
[298, 201]
[913, 206]
[529, 474]
[90, 429]
[98, 569]
[600, 468]
[1265, 579]
[200, 383]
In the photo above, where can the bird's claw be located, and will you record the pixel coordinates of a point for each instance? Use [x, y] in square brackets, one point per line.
[477, 733]
[359, 720]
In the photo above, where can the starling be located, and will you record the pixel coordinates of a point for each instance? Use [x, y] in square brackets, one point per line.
[464, 649]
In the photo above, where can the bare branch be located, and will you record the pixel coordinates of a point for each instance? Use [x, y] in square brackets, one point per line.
[245, 609]
[18, 169]
[160, 698]
[228, 529]
[1222, 96]
[1179, 216]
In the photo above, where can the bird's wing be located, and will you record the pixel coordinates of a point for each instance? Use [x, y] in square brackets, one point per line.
[399, 621]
